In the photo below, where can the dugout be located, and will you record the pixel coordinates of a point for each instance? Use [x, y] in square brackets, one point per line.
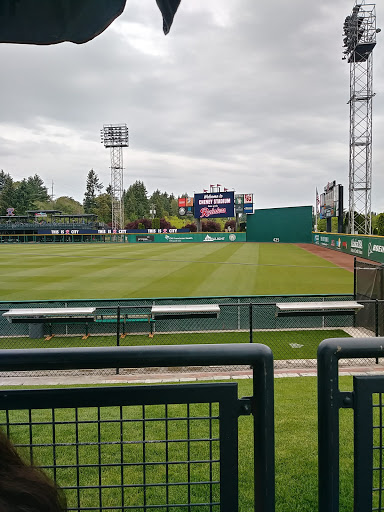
[286, 225]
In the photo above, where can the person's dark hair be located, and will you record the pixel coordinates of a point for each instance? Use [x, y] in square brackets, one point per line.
[25, 488]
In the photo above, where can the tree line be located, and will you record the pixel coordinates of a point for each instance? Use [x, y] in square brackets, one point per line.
[377, 220]
[142, 210]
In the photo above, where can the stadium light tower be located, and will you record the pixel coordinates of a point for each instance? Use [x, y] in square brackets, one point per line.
[115, 137]
[359, 41]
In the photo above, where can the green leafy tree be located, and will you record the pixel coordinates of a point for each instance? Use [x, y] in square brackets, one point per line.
[103, 208]
[68, 205]
[174, 208]
[380, 224]
[321, 225]
[93, 188]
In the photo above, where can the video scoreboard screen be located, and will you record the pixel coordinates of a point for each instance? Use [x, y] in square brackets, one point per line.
[330, 201]
[215, 204]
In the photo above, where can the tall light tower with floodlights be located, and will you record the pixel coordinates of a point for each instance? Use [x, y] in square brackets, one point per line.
[359, 41]
[115, 137]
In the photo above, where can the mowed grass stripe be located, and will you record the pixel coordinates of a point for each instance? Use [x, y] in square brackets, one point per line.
[132, 270]
[187, 279]
[240, 279]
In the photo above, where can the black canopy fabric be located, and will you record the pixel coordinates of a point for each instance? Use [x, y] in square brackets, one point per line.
[168, 9]
[56, 21]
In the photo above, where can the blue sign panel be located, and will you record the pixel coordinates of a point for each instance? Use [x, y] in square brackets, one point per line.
[66, 231]
[248, 208]
[217, 204]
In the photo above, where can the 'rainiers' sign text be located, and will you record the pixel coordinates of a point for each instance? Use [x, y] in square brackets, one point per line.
[220, 204]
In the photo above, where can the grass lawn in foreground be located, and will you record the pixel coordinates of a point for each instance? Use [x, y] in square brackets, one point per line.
[85, 271]
[295, 437]
[284, 344]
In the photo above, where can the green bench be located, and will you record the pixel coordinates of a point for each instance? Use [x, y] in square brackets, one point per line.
[126, 319]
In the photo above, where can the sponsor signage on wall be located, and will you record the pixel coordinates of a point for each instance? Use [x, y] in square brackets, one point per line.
[145, 238]
[244, 203]
[185, 205]
[210, 206]
[180, 238]
[368, 247]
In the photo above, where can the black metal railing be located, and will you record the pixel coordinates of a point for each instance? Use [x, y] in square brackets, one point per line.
[131, 323]
[165, 447]
[366, 433]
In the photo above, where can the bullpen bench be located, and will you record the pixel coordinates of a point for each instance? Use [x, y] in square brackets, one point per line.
[125, 319]
[185, 311]
[36, 318]
[340, 307]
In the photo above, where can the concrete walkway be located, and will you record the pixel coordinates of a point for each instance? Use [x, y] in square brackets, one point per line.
[55, 380]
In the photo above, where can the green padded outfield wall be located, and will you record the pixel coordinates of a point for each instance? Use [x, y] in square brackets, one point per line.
[286, 225]
[366, 246]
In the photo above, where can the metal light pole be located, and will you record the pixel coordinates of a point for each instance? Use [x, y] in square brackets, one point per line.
[359, 42]
[115, 137]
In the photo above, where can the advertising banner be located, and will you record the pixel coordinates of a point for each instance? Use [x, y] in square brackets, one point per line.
[367, 247]
[248, 199]
[145, 238]
[177, 238]
[210, 206]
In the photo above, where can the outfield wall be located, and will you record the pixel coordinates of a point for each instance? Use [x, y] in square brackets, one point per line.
[187, 237]
[363, 246]
[125, 238]
[286, 225]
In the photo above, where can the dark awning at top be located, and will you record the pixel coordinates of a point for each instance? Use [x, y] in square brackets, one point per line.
[55, 21]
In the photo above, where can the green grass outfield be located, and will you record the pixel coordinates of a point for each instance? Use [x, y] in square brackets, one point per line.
[284, 344]
[295, 449]
[74, 271]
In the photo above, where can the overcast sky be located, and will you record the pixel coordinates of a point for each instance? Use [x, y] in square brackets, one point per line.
[249, 95]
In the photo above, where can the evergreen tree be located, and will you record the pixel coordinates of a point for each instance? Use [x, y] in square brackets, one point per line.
[157, 199]
[3, 178]
[93, 187]
[7, 193]
[37, 190]
[136, 204]
[23, 198]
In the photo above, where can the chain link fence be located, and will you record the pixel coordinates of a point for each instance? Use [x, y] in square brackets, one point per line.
[293, 339]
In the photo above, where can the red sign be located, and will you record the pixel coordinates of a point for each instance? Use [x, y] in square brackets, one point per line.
[182, 201]
[248, 198]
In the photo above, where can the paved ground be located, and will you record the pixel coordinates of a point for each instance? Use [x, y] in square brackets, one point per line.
[177, 377]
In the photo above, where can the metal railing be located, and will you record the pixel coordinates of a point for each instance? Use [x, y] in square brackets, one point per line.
[366, 401]
[241, 320]
[165, 447]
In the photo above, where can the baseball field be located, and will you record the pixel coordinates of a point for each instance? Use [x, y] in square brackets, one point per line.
[84, 271]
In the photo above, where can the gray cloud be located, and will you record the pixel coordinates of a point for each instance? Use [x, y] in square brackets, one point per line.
[249, 95]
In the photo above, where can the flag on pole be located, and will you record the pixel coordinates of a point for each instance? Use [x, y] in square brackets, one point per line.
[225, 190]
[205, 190]
[218, 185]
[317, 202]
